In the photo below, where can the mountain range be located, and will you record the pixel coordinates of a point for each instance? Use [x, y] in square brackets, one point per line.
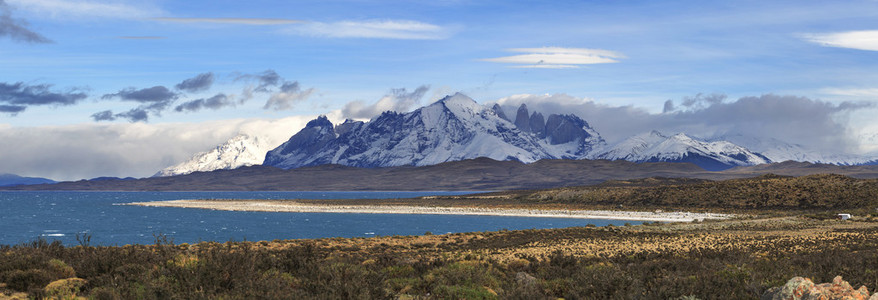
[14, 180]
[457, 128]
[454, 128]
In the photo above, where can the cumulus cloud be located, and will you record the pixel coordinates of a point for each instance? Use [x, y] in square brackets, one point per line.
[154, 94]
[861, 39]
[85, 8]
[236, 21]
[668, 107]
[199, 83]
[399, 100]
[17, 29]
[284, 97]
[16, 97]
[282, 94]
[815, 124]
[139, 114]
[127, 149]
[290, 93]
[12, 109]
[265, 80]
[215, 102]
[379, 29]
[153, 100]
[106, 115]
[557, 57]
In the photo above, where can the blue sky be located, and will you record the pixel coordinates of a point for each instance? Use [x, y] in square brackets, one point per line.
[615, 54]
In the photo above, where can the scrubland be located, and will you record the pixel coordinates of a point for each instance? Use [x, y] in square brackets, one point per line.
[779, 237]
[732, 259]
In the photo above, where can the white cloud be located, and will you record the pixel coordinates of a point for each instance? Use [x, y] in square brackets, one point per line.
[852, 92]
[557, 57]
[862, 39]
[126, 149]
[286, 100]
[398, 100]
[380, 29]
[85, 8]
[290, 93]
[237, 21]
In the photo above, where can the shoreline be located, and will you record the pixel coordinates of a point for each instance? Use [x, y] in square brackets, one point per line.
[298, 207]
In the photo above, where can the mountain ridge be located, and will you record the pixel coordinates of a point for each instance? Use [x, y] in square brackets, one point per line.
[7, 179]
[453, 128]
[458, 128]
[655, 146]
[480, 174]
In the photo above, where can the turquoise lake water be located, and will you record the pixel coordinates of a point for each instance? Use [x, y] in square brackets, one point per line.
[26, 216]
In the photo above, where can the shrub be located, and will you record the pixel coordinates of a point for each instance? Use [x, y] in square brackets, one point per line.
[65, 288]
[26, 280]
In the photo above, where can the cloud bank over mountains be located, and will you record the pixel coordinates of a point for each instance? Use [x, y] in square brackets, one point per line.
[816, 124]
[126, 149]
[139, 149]
[398, 100]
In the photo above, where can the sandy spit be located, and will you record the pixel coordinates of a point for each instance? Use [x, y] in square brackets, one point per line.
[291, 206]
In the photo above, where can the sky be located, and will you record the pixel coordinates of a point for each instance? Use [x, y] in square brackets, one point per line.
[125, 88]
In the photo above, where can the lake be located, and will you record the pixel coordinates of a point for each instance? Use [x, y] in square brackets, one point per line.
[54, 215]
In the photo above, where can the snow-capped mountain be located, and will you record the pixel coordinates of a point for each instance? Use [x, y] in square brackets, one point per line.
[458, 128]
[780, 151]
[656, 147]
[454, 128]
[241, 150]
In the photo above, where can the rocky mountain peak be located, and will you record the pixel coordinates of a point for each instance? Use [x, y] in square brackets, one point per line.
[348, 126]
[461, 105]
[316, 134]
[562, 129]
[321, 121]
[499, 112]
[538, 124]
[522, 119]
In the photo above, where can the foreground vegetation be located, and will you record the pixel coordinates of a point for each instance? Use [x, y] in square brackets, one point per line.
[733, 259]
[824, 191]
[789, 232]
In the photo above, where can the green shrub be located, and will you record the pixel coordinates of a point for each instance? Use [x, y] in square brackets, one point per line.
[463, 292]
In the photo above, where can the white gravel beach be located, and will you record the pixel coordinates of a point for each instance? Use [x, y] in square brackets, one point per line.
[292, 206]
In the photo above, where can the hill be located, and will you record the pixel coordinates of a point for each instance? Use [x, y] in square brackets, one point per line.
[13, 180]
